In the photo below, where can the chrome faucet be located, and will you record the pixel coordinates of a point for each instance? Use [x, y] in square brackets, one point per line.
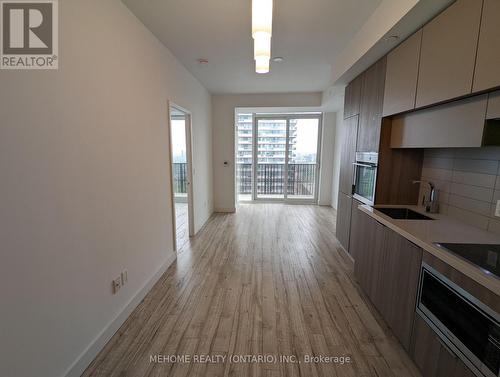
[431, 205]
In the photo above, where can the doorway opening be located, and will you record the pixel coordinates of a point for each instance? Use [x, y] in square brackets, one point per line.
[277, 157]
[181, 176]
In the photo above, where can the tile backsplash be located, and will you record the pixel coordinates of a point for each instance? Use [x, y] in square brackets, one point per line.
[468, 180]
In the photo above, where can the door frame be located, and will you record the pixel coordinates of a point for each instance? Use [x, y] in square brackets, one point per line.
[287, 117]
[189, 171]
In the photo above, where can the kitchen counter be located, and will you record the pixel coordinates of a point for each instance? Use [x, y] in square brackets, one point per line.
[442, 229]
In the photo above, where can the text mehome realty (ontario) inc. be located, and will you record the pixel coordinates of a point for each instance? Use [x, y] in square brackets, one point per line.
[247, 359]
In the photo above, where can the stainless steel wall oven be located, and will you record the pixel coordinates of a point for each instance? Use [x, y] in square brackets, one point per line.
[365, 177]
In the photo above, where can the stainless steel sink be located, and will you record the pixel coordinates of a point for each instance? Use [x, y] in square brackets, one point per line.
[402, 213]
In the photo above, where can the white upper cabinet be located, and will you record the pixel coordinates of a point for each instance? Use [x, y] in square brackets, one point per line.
[401, 76]
[487, 73]
[448, 53]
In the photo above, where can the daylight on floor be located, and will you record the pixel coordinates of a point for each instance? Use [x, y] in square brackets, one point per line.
[250, 188]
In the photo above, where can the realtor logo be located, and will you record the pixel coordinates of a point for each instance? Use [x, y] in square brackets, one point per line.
[29, 34]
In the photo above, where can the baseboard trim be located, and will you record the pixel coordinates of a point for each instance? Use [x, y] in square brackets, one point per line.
[89, 354]
[225, 210]
[346, 252]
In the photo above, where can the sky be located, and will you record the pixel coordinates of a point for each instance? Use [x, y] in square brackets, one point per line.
[178, 140]
[307, 136]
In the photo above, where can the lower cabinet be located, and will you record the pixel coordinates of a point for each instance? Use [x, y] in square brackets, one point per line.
[432, 356]
[401, 271]
[344, 220]
[367, 248]
[387, 267]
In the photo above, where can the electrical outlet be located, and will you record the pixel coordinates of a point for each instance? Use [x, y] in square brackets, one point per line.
[124, 276]
[117, 284]
[497, 209]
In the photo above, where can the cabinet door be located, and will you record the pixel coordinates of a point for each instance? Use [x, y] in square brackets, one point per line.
[344, 220]
[370, 114]
[356, 241]
[448, 53]
[374, 272]
[400, 281]
[352, 97]
[425, 348]
[367, 245]
[401, 76]
[348, 154]
[493, 105]
[487, 74]
[450, 125]
[432, 356]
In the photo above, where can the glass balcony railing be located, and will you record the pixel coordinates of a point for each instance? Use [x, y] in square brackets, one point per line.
[271, 179]
[180, 177]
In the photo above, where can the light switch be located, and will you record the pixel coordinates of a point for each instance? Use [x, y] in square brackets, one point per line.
[124, 277]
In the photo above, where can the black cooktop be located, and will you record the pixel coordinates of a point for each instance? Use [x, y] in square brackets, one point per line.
[487, 257]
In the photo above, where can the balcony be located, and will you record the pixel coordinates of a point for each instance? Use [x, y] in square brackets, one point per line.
[271, 180]
[180, 182]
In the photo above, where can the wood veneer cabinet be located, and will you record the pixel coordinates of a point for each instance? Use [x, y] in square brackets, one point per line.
[348, 155]
[432, 357]
[352, 97]
[371, 105]
[487, 72]
[493, 105]
[387, 267]
[367, 244]
[343, 226]
[448, 53]
[401, 76]
[401, 270]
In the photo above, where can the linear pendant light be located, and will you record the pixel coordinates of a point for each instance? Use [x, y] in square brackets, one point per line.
[262, 27]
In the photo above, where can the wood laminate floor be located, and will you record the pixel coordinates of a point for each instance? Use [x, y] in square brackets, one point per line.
[268, 280]
[181, 223]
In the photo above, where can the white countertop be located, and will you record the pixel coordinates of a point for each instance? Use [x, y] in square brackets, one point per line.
[425, 233]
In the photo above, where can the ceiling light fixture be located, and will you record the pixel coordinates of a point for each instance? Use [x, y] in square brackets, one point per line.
[262, 27]
[261, 64]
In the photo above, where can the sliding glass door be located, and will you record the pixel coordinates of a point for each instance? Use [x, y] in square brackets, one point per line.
[303, 145]
[270, 148]
[286, 150]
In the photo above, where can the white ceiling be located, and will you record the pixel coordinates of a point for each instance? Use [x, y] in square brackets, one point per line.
[309, 34]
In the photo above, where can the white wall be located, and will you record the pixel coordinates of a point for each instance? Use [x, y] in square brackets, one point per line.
[84, 192]
[339, 136]
[327, 159]
[223, 118]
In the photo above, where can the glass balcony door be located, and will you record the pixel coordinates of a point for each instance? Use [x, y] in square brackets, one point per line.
[244, 157]
[303, 163]
[270, 150]
[286, 151]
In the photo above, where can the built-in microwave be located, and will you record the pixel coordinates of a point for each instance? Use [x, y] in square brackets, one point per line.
[365, 177]
[466, 325]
